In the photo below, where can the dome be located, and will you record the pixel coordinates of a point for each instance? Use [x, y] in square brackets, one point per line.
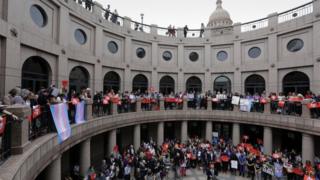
[220, 17]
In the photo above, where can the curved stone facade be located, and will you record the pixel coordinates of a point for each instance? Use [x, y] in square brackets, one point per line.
[21, 38]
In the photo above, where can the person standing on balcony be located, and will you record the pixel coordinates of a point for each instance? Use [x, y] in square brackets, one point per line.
[202, 30]
[88, 4]
[114, 17]
[185, 30]
[107, 13]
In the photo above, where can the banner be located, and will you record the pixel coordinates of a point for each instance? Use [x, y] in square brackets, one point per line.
[80, 112]
[2, 124]
[268, 168]
[60, 117]
[235, 100]
[245, 105]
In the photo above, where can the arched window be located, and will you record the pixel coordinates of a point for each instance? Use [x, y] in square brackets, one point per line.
[255, 84]
[194, 84]
[166, 85]
[297, 82]
[222, 83]
[140, 83]
[111, 81]
[78, 79]
[35, 74]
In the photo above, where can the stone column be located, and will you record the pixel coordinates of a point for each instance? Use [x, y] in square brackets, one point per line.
[19, 128]
[112, 140]
[307, 147]
[267, 140]
[209, 131]
[114, 108]
[209, 104]
[136, 137]
[138, 108]
[88, 111]
[184, 131]
[185, 103]
[305, 110]
[162, 104]
[160, 133]
[235, 133]
[85, 160]
[53, 171]
[267, 109]
[127, 22]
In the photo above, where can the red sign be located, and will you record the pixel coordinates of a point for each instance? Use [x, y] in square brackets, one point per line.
[65, 83]
[36, 111]
[3, 122]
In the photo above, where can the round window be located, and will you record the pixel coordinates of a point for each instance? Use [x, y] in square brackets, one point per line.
[38, 15]
[80, 36]
[141, 53]
[222, 55]
[194, 56]
[254, 52]
[113, 47]
[167, 55]
[295, 45]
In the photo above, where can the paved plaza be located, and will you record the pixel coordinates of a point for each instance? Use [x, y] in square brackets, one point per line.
[193, 174]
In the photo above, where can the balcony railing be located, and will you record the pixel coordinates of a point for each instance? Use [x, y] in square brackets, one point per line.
[296, 13]
[255, 25]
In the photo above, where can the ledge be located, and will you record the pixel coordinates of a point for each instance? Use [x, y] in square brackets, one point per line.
[45, 149]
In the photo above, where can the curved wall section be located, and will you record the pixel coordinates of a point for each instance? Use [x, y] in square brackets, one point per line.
[45, 149]
[71, 36]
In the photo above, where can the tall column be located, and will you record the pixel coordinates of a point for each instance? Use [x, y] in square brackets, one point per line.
[53, 171]
[184, 131]
[307, 147]
[112, 140]
[160, 133]
[85, 155]
[267, 140]
[235, 133]
[209, 130]
[136, 137]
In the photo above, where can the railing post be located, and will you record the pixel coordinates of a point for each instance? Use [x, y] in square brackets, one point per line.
[154, 29]
[138, 108]
[162, 104]
[209, 104]
[236, 108]
[237, 28]
[316, 8]
[273, 21]
[97, 9]
[185, 103]
[127, 22]
[207, 32]
[266, 109]
[88, 112]
[305, 110]
[180, 33]
[19, 128]
[114, 108]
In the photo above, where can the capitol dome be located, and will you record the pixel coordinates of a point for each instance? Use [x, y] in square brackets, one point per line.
[220, 17]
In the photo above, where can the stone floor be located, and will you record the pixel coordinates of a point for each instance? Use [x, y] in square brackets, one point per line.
[193, 174]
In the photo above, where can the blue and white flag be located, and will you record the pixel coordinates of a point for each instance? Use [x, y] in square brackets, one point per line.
[80, 112]
[60, 117]
[245, 105]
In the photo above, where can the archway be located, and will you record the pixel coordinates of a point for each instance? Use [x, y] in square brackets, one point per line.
[255, 84]
[194, 84]
[140, 83]
[222, 83]
[78, 79]
[297, 82]
[36, 73]
[166, 85]
[111, 81]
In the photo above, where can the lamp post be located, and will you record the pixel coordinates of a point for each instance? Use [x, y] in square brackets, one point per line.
[141, 21]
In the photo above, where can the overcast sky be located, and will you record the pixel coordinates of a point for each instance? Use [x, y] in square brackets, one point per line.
[193, 13]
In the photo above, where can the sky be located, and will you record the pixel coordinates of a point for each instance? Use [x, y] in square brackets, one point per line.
[193, 13]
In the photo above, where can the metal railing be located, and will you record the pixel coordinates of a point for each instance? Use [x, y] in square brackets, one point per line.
[296, 13]
[255, 25]
[5, 139]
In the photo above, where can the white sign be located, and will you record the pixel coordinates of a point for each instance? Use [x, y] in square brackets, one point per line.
[235, 100]
[245, 105]
[234, 164]
[215, 134]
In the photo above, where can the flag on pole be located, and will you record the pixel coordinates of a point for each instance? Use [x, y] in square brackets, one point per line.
[80, 113]
[60, 117]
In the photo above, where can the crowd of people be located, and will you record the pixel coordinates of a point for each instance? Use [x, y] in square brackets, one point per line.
[154, 162]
